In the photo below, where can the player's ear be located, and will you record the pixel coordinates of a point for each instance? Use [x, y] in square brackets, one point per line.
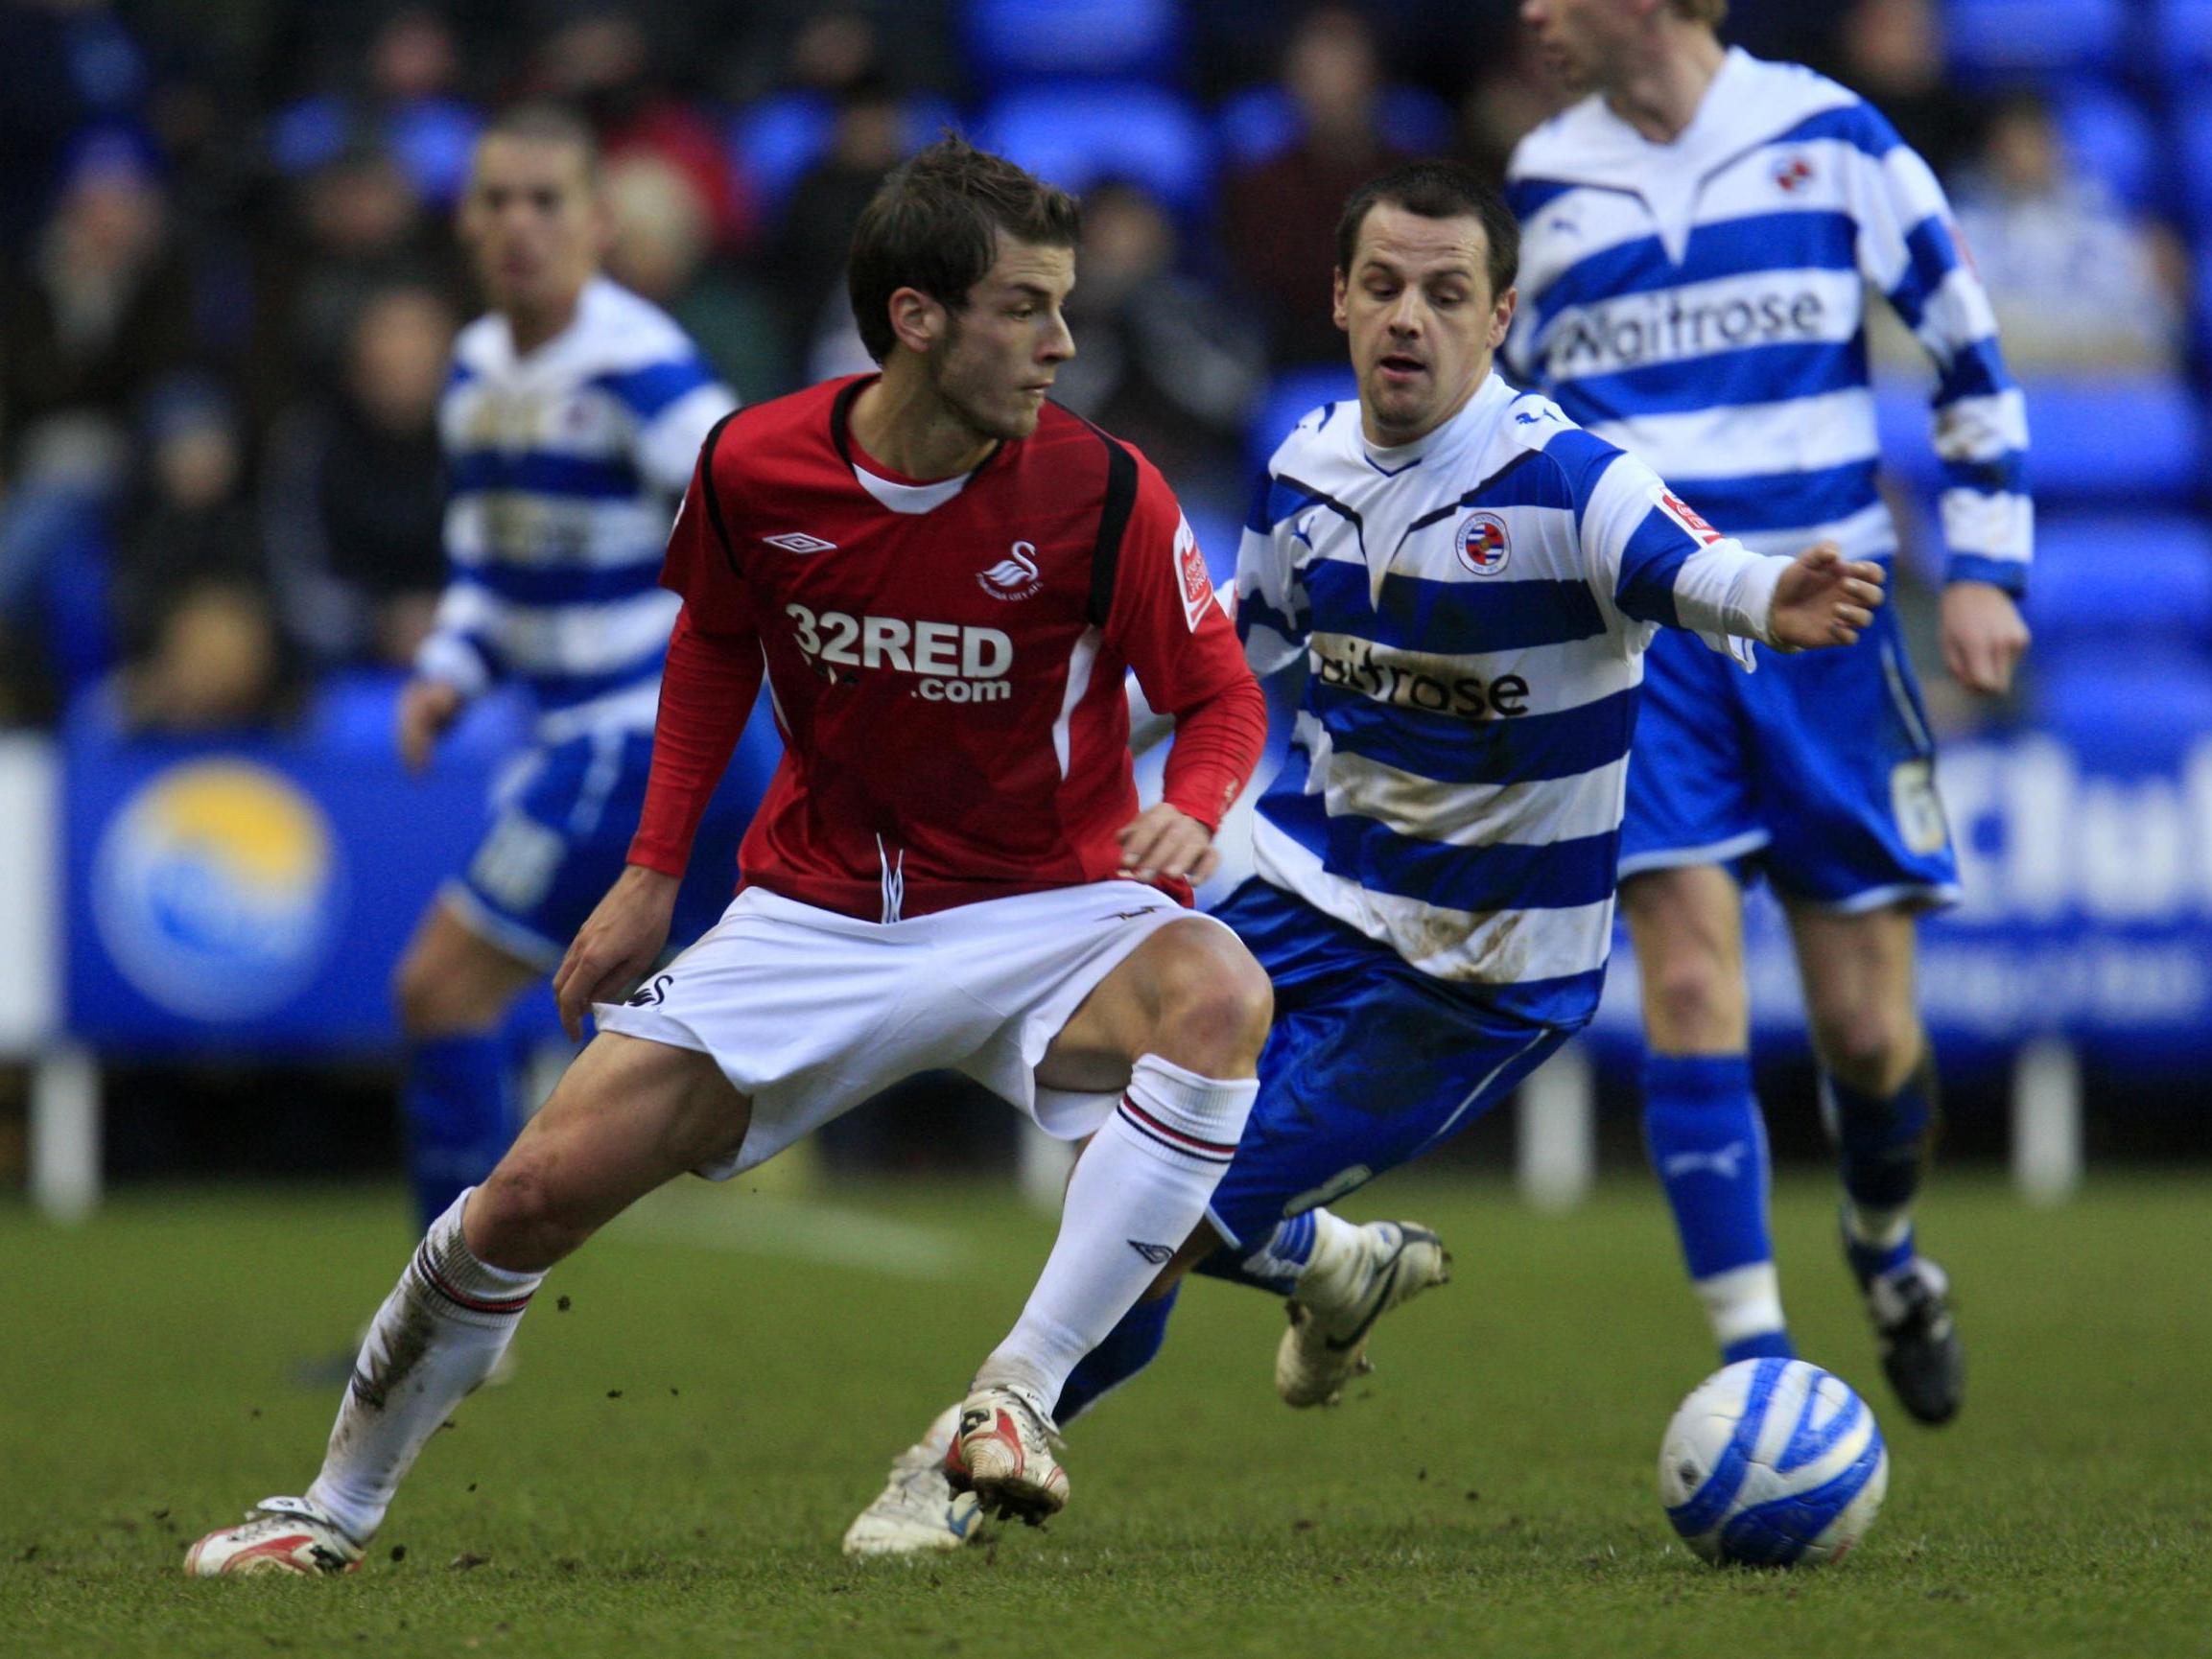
[1343, 318]
[1501, 316]
[916, 319]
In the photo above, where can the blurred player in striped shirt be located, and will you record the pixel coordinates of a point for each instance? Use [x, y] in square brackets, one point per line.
[1700, 234]
[570, 424]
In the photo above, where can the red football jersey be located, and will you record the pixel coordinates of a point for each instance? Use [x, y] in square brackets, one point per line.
[946, 661]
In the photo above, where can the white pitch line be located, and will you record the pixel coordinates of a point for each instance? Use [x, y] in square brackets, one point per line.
[809, 1232]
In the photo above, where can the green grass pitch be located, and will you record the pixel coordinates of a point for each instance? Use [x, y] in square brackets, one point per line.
[671, 1471]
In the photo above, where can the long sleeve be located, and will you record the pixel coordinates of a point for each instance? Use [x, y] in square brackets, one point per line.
[712, 676]
[1910, 250]
[707, 693]
[1650, 553]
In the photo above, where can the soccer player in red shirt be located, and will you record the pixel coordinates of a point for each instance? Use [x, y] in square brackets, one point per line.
[945, 580]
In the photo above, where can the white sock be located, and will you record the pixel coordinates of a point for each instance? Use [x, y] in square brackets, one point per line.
[436, 1337]
[1138, 1192]
[1883, 1229]
[1742, 1302]
[1315, 1255]
[1336, 1272]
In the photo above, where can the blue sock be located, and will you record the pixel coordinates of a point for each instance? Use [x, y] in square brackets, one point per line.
[1762, 1346]
[1883, 1148]
[1708, 1145]
[1274, 1265]
[460, 1098]
[1128, 1348]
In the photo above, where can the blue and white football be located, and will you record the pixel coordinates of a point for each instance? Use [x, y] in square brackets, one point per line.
[1772, 1461]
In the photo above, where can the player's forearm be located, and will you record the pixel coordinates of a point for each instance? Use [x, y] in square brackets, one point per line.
[457, 652]
[1217, 745]
[707, 692]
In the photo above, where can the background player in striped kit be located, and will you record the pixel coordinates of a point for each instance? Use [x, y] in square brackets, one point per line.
[1469, 581]
[1700, 234]
[570, 423]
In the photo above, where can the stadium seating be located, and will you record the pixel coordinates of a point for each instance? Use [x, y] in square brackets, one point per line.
[2103, 583]
[2191, 167]
[1289, 396]
[355, 712]
[2127, 711]
[774, 142]
[1996, 40]
[1080, 133]
[2110, 138]
[1014, 43]
[2181, 41]
[2134, 438]
[1261, 121]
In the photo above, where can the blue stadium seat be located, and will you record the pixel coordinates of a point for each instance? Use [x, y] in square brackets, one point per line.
[2111, 139]
[2134, 438]
[2181, 41]
[773, 143]
[1080, 133]
[2008, 39]
[2129, 709]
[2200, 261]
[355, 712]
[2138, 439]
[2121, 583]
[776, 140]
[1015, 42]
[1261, 121]
[1289, 397]
[2191, 169]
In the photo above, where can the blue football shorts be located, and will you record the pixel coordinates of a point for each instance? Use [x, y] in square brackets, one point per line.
[562, 818]
[1371, 1064]
[1816, 771]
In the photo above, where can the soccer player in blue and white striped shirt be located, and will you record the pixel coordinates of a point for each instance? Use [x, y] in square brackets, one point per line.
[1468, 581]
[570, 424]
[1700, 234]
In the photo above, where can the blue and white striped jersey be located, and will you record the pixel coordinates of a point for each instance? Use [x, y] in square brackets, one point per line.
[1703, 304]
[1472, 609]
[564, 468]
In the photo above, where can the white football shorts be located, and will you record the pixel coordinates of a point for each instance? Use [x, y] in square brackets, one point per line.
[810, 1013]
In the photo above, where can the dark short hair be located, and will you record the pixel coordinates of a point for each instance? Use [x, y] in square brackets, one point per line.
[933, 225]
[1437, 190]
[538, 122]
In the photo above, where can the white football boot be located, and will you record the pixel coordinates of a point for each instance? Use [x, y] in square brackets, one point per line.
[1002, 1451]
[1325, 1345]
[918, 1511]
[278, 1535]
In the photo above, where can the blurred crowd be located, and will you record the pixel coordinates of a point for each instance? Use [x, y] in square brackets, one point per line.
[229, 281]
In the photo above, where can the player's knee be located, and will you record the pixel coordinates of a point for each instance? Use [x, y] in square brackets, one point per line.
[415, 996]
[519, 1219]
[1867, 1045]
[434, 999]
[1215, 1004]
[1691, 1001]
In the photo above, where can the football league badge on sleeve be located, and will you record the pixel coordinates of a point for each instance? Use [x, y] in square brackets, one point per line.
[1482, 543]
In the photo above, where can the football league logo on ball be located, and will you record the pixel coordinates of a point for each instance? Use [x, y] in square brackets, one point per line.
[1482, 544]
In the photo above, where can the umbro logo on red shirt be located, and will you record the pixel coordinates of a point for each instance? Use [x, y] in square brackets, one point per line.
[799, 542]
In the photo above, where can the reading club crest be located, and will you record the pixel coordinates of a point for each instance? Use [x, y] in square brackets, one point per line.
[1482, 544]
